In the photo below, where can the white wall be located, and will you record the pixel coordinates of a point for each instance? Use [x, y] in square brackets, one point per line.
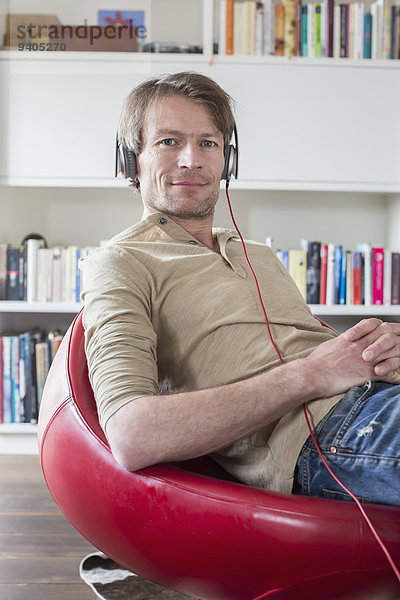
[86, 215]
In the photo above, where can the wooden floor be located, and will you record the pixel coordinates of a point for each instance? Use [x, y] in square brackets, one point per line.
[40, 551]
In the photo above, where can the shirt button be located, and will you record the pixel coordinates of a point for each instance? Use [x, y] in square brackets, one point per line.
[162, 221]
[192, 242]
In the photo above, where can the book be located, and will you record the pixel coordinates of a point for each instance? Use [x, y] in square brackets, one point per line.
[313, 272]
[229, 26]
[349, 278]
[298, 269]
[304, 32]
[317, 31]
[222, 27]
[12, 274]
[250, 27]
[343, 30]
[260, 27]
[32, 247]
[367, 36]
[357, 278]
[330, 28]
[239, 36]
[1, 382]
[311, 30]
[378, 260]
[289, 34]
[279, 31]
[7, 397]
[338, 270]
[387, 278]
[343, 274]
[395, 296]
[324, 272]
[3, 271]
[365, 248]
[330, 275]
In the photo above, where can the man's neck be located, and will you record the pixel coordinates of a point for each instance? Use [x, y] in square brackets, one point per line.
[201, 229]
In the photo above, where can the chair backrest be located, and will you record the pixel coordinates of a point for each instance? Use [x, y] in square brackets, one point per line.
[210, 538]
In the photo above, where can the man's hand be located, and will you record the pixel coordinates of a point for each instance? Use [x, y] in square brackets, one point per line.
[383, 350]
[369, 350]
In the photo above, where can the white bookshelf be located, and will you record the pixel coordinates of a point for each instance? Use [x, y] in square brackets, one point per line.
[319, 139]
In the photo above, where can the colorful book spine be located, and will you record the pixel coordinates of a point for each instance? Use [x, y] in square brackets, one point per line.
[229, 26]
[367, 41]
[357, 278]
[338, 270]
[395, 278]
[317, 31]
[279, 30]
[324, 273]
[378, 262]
[304, 31]
[343, 273]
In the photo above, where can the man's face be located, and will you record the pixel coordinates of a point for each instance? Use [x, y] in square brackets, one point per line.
[182, 158]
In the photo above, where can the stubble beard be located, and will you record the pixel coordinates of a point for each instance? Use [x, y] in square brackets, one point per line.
[173, 208]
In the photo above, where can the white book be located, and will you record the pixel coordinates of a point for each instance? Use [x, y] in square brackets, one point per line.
[324, 28]
[32, 247]
[336, 31]
[222, 27]
[366, 249]
[351, 30]
[269, 27]
[311, 30]
[259, 29]
[330, 276]
[56, 276]
[358, 30]
[250, 27]
[239, 41]
[387, 278]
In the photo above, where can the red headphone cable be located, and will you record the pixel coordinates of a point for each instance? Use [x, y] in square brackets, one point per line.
[362, 510]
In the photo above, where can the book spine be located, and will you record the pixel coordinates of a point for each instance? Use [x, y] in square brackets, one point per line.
[3, 271]
[279, 34]
[229, 25]
[290, 28]
[367, 272]
[343, 273]
[349, 278]
[367, 45]
[12, 279]
[324, 272]
[378, 257]
[298, 269]
[313, 272]
[395, 278]
[222, 27]
[317, 32]
[7, 398]
[259, 29]
[298, 27]
[330, 28]
[357, 278]
[336, 31]
[387, 278]
[338, 266]
[311, 29]
[330, 276]
[304, 33]
[343, 30]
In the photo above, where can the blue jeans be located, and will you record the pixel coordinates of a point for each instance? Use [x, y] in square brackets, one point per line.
[360, 440]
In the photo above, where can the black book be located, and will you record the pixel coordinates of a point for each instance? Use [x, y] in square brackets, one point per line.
[12, 277]
[313, 272]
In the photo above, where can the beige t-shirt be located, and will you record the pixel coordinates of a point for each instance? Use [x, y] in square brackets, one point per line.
[159, 305]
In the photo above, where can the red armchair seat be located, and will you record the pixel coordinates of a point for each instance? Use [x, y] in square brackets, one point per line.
[185, 527]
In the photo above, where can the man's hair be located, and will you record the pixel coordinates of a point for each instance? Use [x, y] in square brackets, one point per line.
[194, 86]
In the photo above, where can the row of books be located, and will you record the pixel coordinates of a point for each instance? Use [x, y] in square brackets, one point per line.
[34, 273]
[312, 29]
[25, 360]
[328, 274]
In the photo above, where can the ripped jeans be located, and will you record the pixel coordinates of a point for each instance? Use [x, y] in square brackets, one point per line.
[360, 440]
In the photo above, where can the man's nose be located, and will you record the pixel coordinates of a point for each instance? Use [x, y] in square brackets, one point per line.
[190, 156]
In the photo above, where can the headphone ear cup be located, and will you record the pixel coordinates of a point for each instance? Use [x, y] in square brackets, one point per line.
[230, 167]
[130, 163]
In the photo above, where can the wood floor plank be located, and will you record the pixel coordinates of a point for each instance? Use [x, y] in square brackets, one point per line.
[40, 551]
[40, 569]
[17, 544]
[23, 591]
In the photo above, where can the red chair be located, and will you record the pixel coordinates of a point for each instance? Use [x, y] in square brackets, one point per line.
[184, 527]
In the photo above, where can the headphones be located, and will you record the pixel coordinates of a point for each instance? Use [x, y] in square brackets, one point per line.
[125, 160]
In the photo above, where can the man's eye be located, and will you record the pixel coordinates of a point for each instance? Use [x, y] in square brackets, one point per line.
[168, 142]
[208, 143]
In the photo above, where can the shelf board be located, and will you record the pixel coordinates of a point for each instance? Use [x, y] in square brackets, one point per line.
[201, 58]
[7, 306]
[338, 310]
[16, 428]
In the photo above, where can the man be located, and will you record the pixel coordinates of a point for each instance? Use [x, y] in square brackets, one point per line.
[172, 299]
